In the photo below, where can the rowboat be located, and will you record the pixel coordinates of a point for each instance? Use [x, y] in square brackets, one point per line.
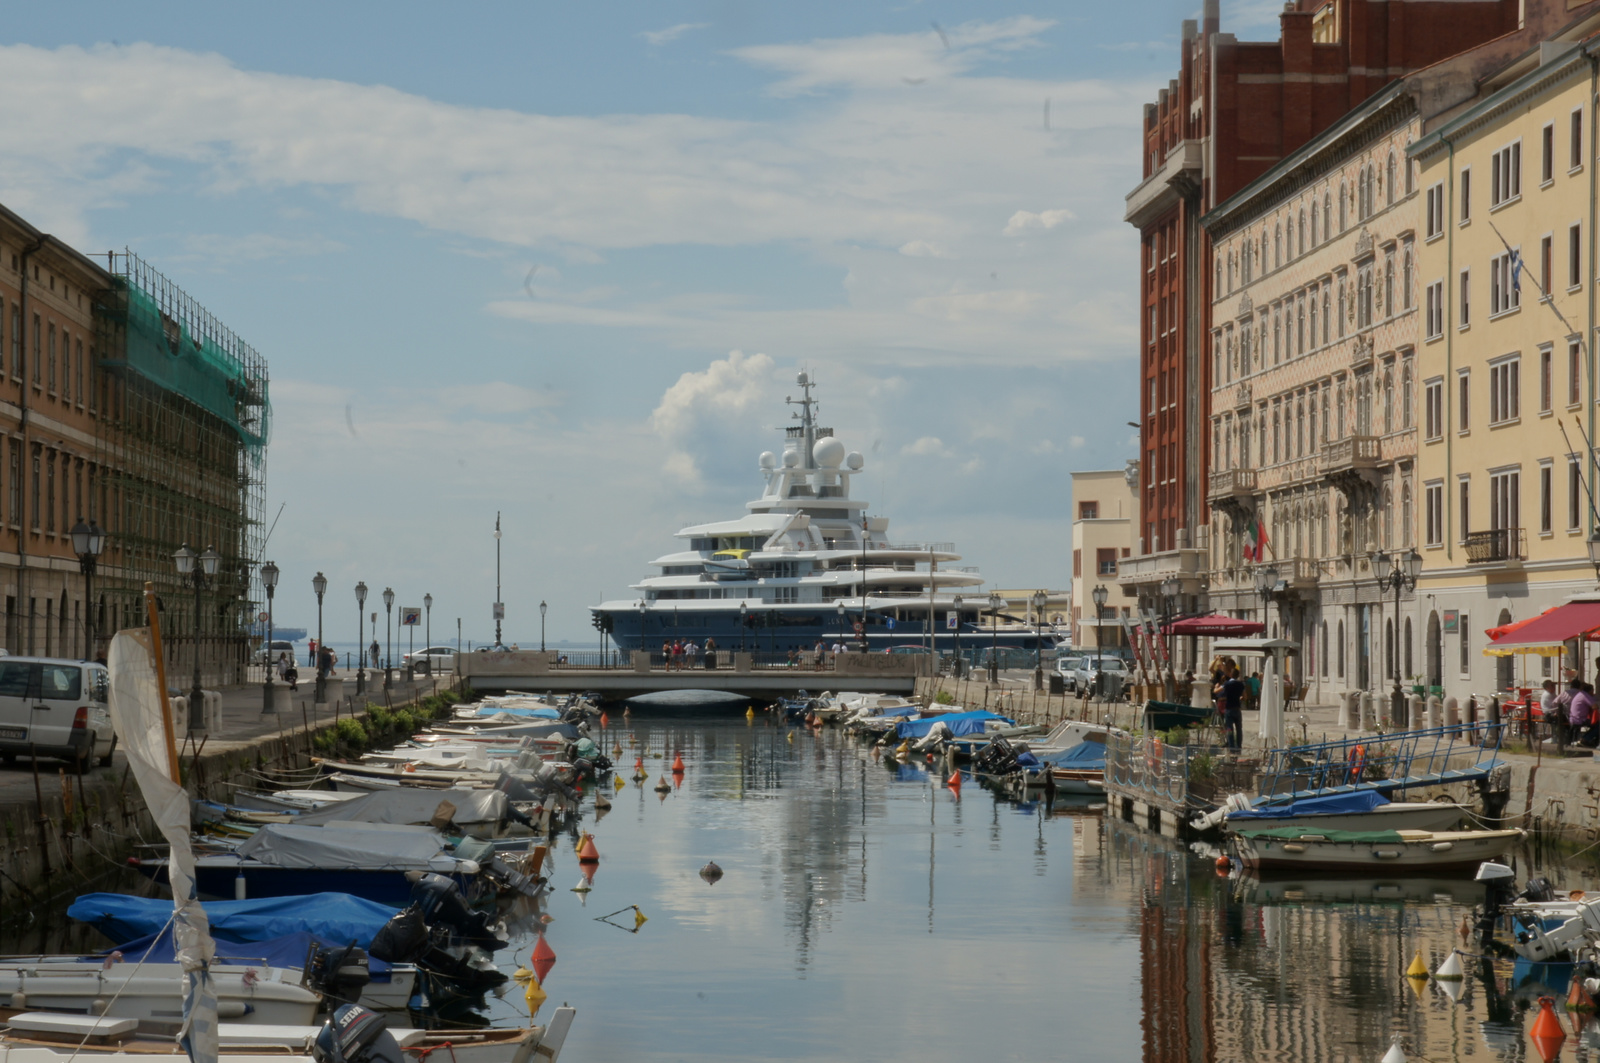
[246, 993]
[1360, 810]
[1295, 848]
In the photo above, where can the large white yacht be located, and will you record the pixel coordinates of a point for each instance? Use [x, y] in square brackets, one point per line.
[806, 563]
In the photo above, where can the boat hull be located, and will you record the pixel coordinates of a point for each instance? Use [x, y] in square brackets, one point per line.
[1437, 852]
[266, 996]
[1428, 816]
[219, 881]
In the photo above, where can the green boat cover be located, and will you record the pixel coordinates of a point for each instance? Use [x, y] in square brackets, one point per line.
[1347, 837]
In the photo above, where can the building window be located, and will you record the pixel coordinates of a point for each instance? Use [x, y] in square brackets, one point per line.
[1436, 210]
[1547, 154]
[1088, 510]
[1466, 197]
[52, 349]
[1407, 275]
[50, 492]
[1434, 311]
[1105, 562]
[1546, 371]
[1341, 649]
[1464, 507]
[1433, 409]
[1504, 402]
[1464, 392]
[1546, 264]
[1504, 291]
[1574, 255]
[1505, 174]
[1504, 503]
[1465, 299]
[1433, 514]
[1077, 564]
[1466, 644]
[1575, 140]
[1574, 373]
[1574, 496]
[38, 472]
[1546, 501]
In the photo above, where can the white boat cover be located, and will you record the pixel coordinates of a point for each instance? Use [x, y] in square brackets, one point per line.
[331, 848]
[139, 713]
[411, 805]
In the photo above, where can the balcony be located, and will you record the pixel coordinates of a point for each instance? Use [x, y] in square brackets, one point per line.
[1495, 547]
[1351, 454]
[1178, 177]
[1186, 564]
[1231, 484]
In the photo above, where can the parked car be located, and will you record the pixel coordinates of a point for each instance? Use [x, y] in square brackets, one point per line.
[1067, 666]
[55, 708]
[1115, 668]
[438, 658]
[269, 653]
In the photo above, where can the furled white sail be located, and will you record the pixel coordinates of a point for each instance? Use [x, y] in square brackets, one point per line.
[137, 711]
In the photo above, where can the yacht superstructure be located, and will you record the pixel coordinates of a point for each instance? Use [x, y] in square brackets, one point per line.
[806, 563]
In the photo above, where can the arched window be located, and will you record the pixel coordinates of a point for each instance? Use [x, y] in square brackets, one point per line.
[1341, 649]
[1277, 245]
[1388, 645]
[1325, 315]
[1388, 518]
[1389, 181]
[1410, 662]
[1344, 223]
[1324, 654]
[1361, 193]
[1405, 532]
[1388, 401]
[1327, 220]
[1313, 319]
[1405, 396]
[1405, 277]
[1302, 242]
[1313, 223]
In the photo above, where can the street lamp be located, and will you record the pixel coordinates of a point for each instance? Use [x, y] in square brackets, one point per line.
[185, 559]
[1041, 599]
[499, 606]
[269, 580]
[361, 636]
[1266, 577]
[427, 632]
[1099, 594]
[744, 614]
[87, 541]
[319, 583]
[1170, 589]
[864, 589]
[996, 603]
[1594, 552]
[1398, 571]
[388, 633]
[542, 608]
[956, 601]
[838, 609]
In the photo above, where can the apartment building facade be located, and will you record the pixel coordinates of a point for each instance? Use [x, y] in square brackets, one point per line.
[1105, 522]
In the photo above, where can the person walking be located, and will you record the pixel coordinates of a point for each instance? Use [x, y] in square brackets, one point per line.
[1581, 717]
[711, 654]
[1230, 692]
[377, 653]
[311, 653]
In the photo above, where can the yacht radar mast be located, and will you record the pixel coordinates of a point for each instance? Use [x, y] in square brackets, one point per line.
[808, 423]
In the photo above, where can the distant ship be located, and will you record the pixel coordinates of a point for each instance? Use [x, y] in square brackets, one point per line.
[793, 570]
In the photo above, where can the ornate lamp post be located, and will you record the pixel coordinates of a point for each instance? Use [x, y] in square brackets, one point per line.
[1266, 577]
[319, 583]
[956, 601]
[996, 603]
[1399, 572]
[1170, 588]
[542, 608]
[388, 634]
[185, 559]
[744, 619]
[269, 580]
[499, 606]
[361, 635]
[1099, 594]
[87, 542]
[427, 632]
[643, 645]
[1040, 600]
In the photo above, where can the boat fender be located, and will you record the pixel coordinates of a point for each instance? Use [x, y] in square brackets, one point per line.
[1293, 847]
[19, 1000]
[1442, 847]
[98, 1006]
[1386, 854]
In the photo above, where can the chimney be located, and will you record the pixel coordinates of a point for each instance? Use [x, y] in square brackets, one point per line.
[1211, 16]
[1191, 29]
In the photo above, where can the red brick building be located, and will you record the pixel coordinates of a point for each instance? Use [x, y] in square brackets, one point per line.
[1235, 109]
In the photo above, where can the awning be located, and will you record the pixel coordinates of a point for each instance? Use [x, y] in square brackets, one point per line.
[1214, 625]
[1549, 630]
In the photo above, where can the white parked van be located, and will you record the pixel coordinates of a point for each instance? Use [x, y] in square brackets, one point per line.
[55, 708]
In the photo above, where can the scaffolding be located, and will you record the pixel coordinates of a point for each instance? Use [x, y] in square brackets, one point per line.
[181, 443]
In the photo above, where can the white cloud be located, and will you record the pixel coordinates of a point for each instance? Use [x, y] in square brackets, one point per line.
[926, 447]
[1023, 220]
[251, 247]
[671, 33]
[923, 249]
[725, 389]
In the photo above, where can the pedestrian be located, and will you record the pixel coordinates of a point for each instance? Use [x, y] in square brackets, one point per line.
[325, 663]
[375, 648]
[1554, 712]
[1253, 691]
[311, 653]
[711, 653]
[1230, 692]
[666, 654]
[1580, 715]
[692, 653]
[677, 655]
[794, 657]
[819, 653]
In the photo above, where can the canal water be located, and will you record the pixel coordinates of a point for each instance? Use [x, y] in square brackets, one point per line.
[867, 912]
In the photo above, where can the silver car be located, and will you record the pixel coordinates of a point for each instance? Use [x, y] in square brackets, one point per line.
[51, 707]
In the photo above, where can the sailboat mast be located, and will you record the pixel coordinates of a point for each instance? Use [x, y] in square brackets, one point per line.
[161, 681]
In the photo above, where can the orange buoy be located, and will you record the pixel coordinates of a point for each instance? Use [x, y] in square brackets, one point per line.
[544, 958]
[677, 764]
[1224, 865]
[1547, 1034]
[604, 720]
[587, 853]
[955, 782]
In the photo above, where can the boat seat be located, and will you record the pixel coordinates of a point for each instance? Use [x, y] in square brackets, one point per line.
[78, 1027]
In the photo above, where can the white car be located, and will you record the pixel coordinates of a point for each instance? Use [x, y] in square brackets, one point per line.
[1083, 678]
[1067, 666]
[437, 658]
[55, 708]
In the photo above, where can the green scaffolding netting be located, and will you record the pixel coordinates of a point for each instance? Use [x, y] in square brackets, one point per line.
[166, 353]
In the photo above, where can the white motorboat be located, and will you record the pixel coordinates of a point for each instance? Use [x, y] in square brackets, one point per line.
[1363, 851]
[254, 995]
[1361, 810]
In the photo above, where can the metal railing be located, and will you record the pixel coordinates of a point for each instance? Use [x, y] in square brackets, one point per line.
[1402, 759]
[1351, 452]
[1147, 764]
[1500, 544]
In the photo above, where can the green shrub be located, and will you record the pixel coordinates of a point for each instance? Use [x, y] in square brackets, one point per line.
[944, 697]
[350, 731]
[405, 723]
[381, 719]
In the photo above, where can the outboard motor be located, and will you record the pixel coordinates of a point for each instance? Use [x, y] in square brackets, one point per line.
[1499, 889]
[1539, 890]
[405, 938]
[355, 1035]
[441, 904]
[339, 974]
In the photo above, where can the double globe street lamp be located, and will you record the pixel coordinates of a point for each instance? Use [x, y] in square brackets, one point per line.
[388, 633]
[87, 542]
[361, 635]
[319, 583]
[269, 580]
[1099, 594]
[197, 574]
[1399, 572]
[427, 632]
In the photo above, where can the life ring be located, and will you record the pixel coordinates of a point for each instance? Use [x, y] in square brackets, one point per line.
[1358, 764]
[1154, 757]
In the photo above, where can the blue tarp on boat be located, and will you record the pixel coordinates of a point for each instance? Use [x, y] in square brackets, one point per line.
[903, 710]
[1342, 804]
[960, 723]
[540, 714]
[1082, 755]
[332, 917]
[287, 951]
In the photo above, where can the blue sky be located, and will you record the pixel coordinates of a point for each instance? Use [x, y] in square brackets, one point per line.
[563, 261]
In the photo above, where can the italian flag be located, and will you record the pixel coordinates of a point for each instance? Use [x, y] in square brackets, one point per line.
[1255, 540]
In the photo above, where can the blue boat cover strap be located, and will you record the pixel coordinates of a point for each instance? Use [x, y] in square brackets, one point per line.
[960, 723]
[1355, 801]
[1082, 755]
[335, 917]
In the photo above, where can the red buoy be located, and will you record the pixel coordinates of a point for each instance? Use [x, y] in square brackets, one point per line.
[677, 764]
[587, 853]
[544, 958]
[1547, 1034]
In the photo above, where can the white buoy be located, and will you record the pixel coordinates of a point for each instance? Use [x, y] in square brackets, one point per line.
[1394, 1055]
[1450, 969]
[582, 886]
[1451, 989]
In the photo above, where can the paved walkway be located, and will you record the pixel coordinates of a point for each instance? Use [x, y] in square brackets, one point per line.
[243, 723]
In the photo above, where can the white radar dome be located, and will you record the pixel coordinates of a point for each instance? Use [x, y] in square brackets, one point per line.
[854, 461]
[829, 452]
[791, 458]
[768, 460]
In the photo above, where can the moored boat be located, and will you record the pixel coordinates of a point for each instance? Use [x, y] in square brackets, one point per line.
[1296, 848]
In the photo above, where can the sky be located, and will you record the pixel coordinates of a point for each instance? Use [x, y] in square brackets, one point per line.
[562, 263]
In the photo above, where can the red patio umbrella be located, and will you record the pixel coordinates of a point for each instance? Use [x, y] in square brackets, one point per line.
[1216, 624]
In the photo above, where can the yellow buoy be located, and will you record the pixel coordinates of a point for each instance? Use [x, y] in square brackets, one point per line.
[639, 918]
[535, 997]
[750, 713]
[522, 974]
[1418, 969]
[621, 782]
[791, 736]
